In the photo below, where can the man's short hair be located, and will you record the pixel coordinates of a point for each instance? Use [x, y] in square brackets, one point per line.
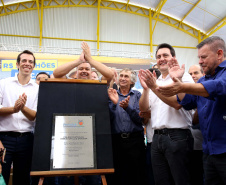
[83, 63]
[215, 44]
[165, 45]
[158, 73]
[43, 73]
[25, 52]
[133, 76]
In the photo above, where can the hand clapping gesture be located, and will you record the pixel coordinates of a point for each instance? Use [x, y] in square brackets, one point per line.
[113, 95]
[20, 103]
[86, 51]
[175, 71]
[124, 103]
[147, 79]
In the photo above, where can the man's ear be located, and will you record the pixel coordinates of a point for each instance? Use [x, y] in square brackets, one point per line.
[17, 65]
[220, 54]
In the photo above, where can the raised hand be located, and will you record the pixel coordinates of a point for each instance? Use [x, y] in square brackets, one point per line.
[142, 77]
[82, 57]
[147, 79]
[86, 51]
[171, 89]
[113, 95]
[175, 71]
[124, 103]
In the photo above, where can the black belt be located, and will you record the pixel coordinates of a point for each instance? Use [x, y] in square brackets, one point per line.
[16, 134]
[126, 135]
[166, 131]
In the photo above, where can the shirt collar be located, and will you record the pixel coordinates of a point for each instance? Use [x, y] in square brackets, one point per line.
[218, 68]
[131, 91]
[160, 77]
[17, 80]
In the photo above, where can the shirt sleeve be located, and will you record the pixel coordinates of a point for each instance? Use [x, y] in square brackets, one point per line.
[187, 78]
[215, 87]
[133, 111]
[1, 92]
[188, 102]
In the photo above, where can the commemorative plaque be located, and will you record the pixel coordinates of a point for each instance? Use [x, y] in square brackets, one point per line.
[73, 142]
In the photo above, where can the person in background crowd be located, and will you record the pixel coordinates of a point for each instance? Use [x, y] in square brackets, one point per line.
[196, 72]
[95, 75]
[196, 158]
[155, 66]
[41, 76]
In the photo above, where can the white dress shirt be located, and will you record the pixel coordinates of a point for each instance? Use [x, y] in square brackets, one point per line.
[164, 116]
[10, 90]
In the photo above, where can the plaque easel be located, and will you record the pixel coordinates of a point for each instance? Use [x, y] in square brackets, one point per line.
[75, 173]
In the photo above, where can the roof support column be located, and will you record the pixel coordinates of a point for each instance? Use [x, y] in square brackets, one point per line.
[151, 31]
[40, 18]
[98, 26]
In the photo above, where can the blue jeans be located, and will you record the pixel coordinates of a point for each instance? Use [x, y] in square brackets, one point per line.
[19, 151]
[170, 155]
[215, 169]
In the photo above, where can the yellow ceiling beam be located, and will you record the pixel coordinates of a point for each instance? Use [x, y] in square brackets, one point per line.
[40, 20]
[189, 12]
[57, 38]
[120, 6]
[215, 28]
[127, 4]
[151, 31]
[39, 17]
[159, 8]
[98, 25]
[158, 11]
[4, 6]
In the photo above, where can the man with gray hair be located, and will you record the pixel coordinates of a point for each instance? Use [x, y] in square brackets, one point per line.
[127, 132]
[209, 97]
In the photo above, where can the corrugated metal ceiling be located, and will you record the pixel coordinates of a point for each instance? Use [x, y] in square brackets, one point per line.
[201, 14]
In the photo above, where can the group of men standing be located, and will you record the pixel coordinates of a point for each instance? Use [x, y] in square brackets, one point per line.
[172, 99]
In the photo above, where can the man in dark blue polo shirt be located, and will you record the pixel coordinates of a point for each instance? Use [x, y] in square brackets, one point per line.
[209, 97]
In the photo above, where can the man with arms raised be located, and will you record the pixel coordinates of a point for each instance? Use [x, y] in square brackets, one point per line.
[18, 104]
[172, 141]
[84, 64]
[209, 97]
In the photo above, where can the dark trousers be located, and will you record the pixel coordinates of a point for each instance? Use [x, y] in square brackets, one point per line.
[19, 151]
[149, 171]
[196, 168]
[215, 169]
[129, 161]
[170, 155]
